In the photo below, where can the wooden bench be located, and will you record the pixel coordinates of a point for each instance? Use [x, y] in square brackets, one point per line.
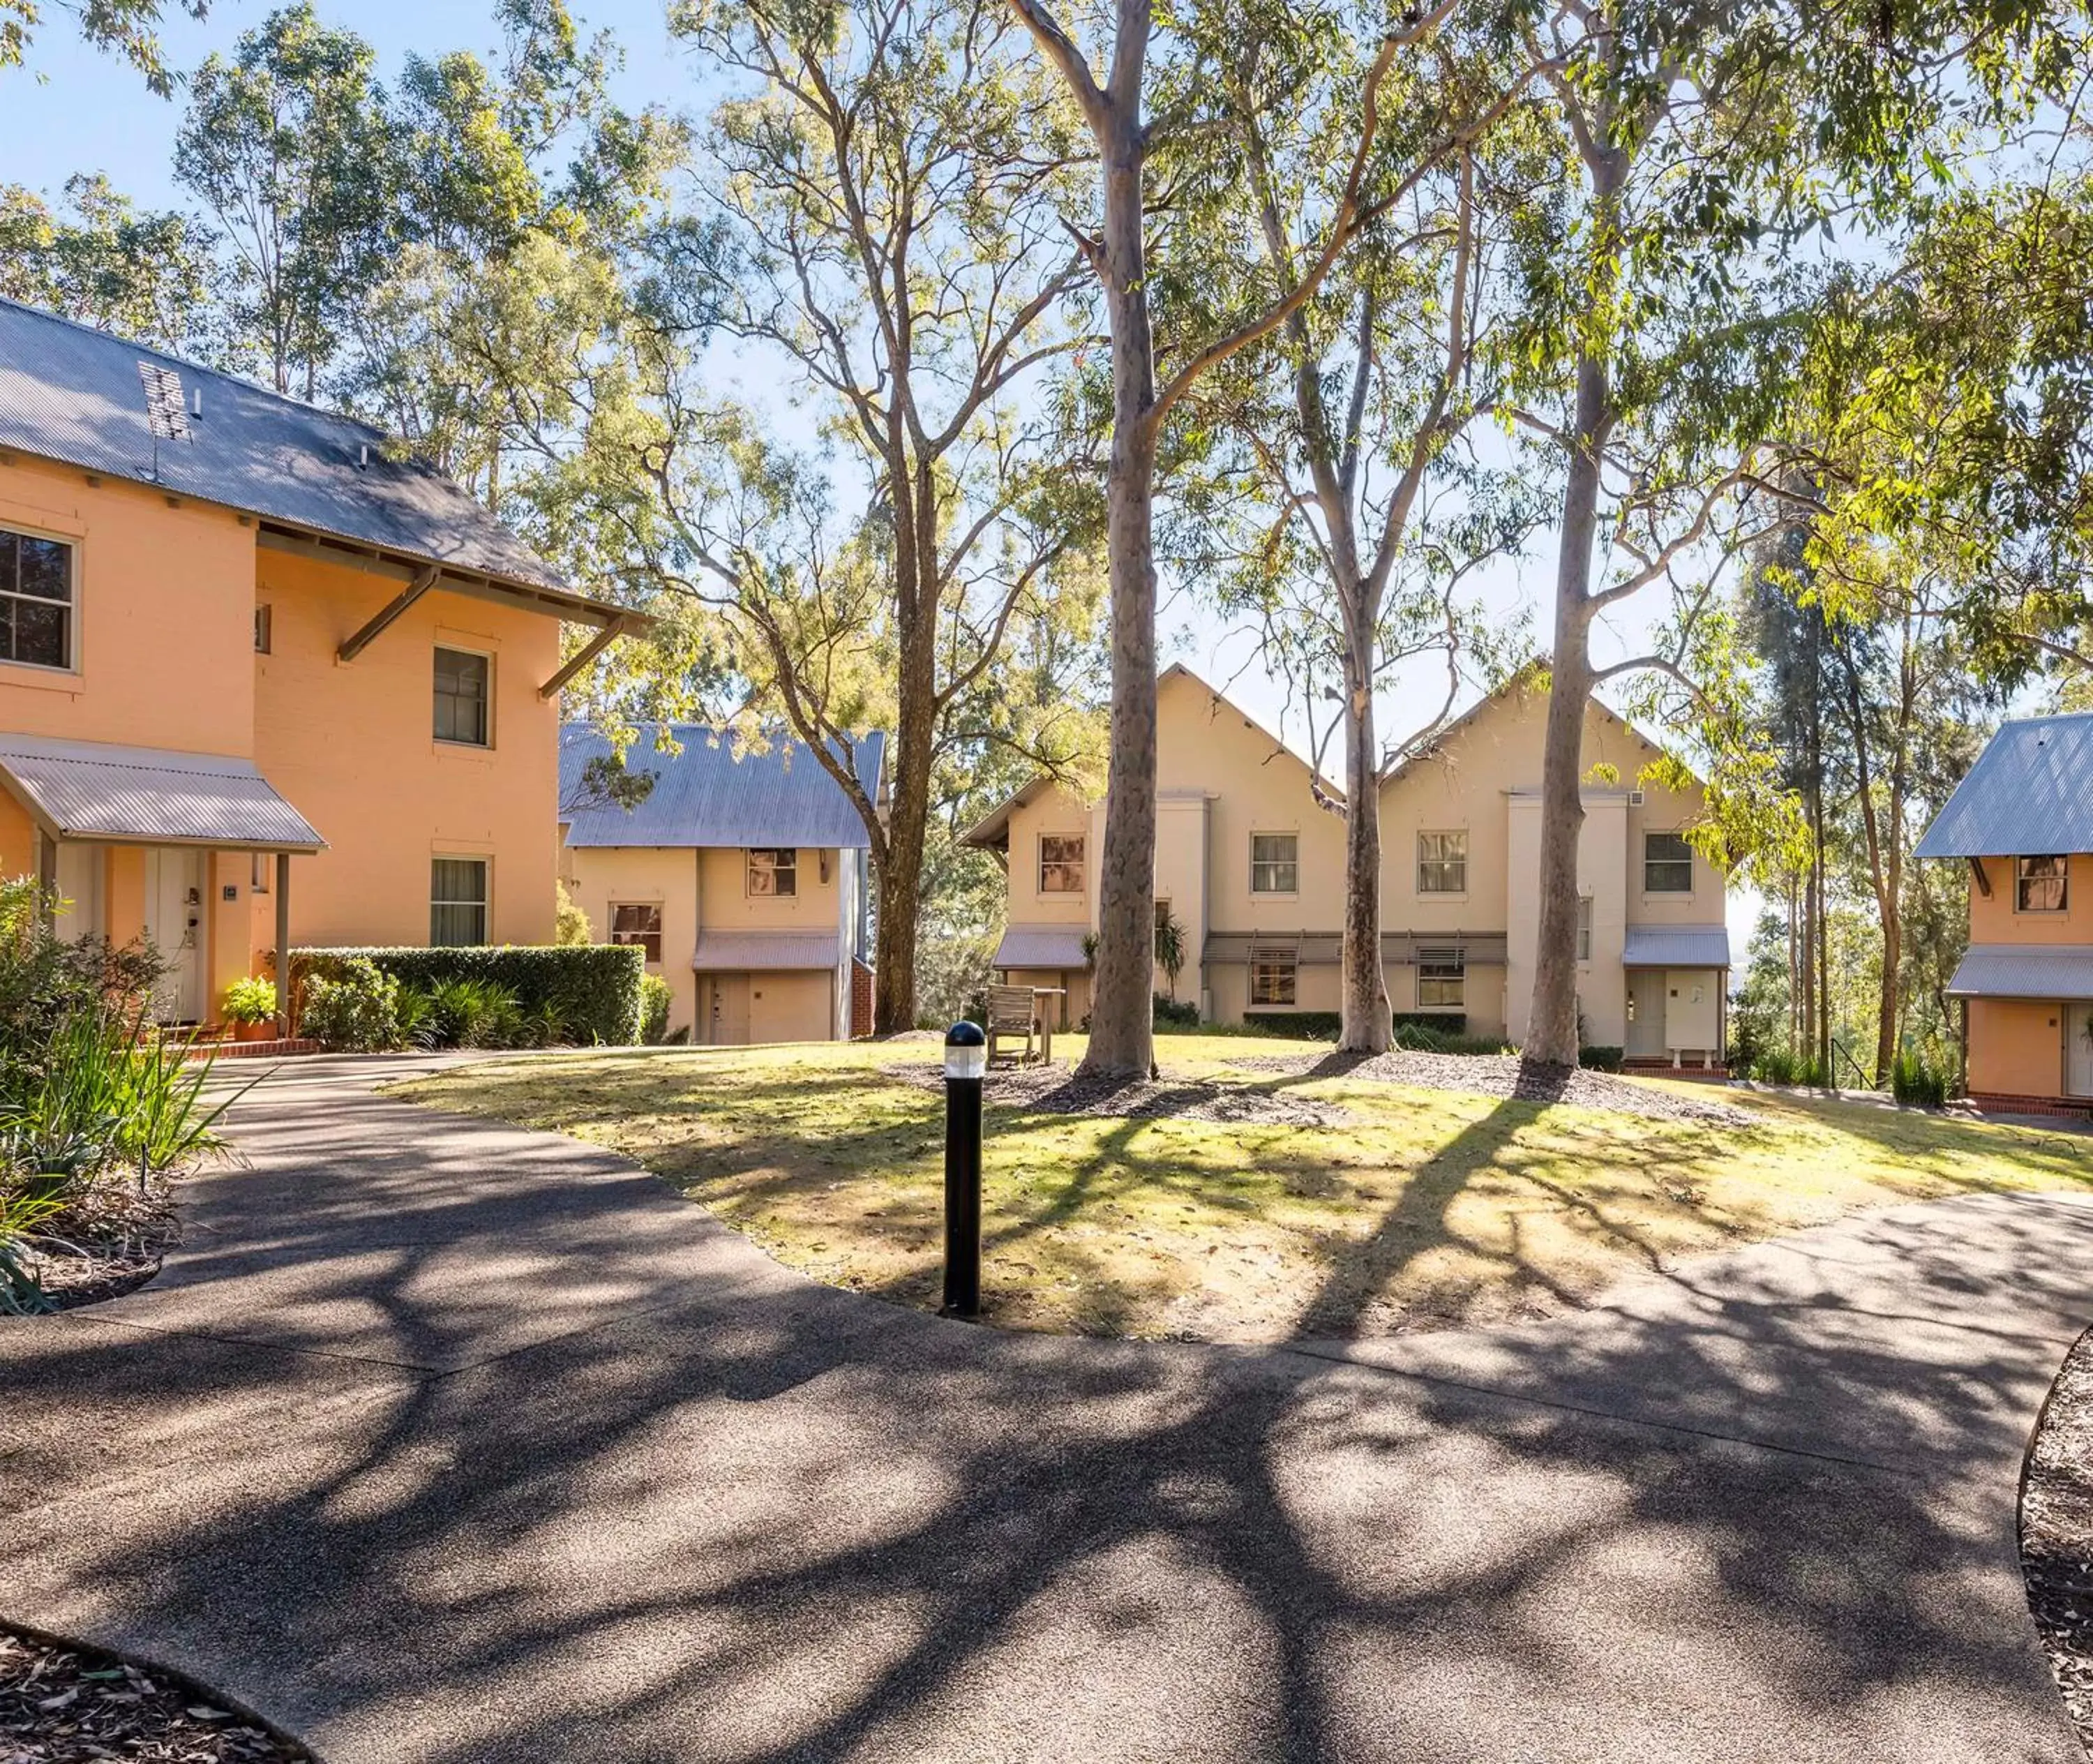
[1011, 1016]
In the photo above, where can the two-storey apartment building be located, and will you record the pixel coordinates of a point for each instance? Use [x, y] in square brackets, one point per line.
[261, 680]
[742, 874]
[1252, 867]
[2023, 823]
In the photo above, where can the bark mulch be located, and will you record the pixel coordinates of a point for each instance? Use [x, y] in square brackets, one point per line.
[74, 1705]
[2056, 1534]
[1056, 1090]
[109, 1241]
[1507, 1075]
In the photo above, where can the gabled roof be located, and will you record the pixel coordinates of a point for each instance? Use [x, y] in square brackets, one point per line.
[72, 394]
[709, 795]
[2030, 790]
[991, 832]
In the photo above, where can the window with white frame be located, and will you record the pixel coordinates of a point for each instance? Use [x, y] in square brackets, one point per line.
[1442, 979]
[462, 682]
[1061, 858]
[1442, 863]
[774, 873]
[457, 902]
[2041, 884]
[1272, 979]
[36, 600]
[638, 921]
[1275, 863]
[1667, 864]
[1584, 928]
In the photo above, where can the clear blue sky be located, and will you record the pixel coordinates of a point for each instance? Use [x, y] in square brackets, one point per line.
[72, 109]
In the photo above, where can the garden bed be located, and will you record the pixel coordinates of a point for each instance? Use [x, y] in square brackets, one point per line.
[2056, 1534]
[63, 1705]
[1505, 1075]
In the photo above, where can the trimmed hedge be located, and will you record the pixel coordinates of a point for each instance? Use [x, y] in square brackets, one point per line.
[594, 987]
[1325, 1025]
[1600, 1058]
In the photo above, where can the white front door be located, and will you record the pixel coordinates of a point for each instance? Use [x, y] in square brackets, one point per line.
[174, 922]
[1645, 1034]
[2077, 1048]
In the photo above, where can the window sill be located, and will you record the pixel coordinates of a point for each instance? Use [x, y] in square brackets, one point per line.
[38, 677]
[1434, 895]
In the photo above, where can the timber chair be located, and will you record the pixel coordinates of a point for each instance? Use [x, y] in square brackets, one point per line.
[1011, 1016]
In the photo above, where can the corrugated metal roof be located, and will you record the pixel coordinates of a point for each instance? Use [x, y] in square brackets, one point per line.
[733, 952]
[2024, 971]
[1041, 946]
[2030, 790]
[1676, 946]
[708, 795]
[70, 393]
[88, 789]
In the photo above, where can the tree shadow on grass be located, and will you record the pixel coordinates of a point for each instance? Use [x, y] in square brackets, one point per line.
[748, 1518]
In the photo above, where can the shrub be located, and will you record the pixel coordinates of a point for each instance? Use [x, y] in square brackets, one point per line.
[953, 974]
[1438, 1022]
[1172, 1014]
[1423, 1039]
[250, 1000]
[1301, 1025]
[656, 996]
[352, 1008]
[592, 989]
[1914, 1081]
[570, 924]
[1600, 1058]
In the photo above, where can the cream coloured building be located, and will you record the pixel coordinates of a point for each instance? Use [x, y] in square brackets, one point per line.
[742, 875]
[1252, 868]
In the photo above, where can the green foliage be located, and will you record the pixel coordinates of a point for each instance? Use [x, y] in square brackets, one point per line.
[250, 1000]
[129, 28]
[1916, 1080]
[1298, 1025]
[1600, 1058]
[659, 998]
[476, 1012]
[1174, 1014]
[570, 924]
[102, 262]
[349, 1006]
[22, 1215]
[1170, 952]
[953, 971]
[592, 991]
[1430, 1036]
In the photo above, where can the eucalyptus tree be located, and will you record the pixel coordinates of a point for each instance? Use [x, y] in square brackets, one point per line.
[1163, 94]
[1368, 504]
[100, 260]
[1703, 144]
[129, 28]
[890, 178]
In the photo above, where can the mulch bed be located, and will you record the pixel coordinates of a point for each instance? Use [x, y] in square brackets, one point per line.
[1056, 1090]
[75, 1705]
[2056, 1534]
[1507, 1075]
[108, 1241]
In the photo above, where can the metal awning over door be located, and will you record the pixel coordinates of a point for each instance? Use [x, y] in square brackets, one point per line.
[93, 790]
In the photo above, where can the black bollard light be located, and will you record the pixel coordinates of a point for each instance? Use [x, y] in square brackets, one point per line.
[966, 1064]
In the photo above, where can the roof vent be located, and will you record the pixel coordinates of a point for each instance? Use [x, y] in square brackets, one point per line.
[1635, 798]
[363, 458]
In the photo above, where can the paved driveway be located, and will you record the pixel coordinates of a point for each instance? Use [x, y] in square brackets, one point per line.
[443, 1441]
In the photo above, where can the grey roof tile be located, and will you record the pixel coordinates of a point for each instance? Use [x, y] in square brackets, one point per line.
[70, 393]
[2030, 790]
[709, 795]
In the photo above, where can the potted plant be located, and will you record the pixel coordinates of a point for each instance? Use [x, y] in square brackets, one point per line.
[250, 1007]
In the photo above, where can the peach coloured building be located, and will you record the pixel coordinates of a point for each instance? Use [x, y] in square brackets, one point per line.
[258, 679]
[2023, 824]
[1252, 869]
[743, 874]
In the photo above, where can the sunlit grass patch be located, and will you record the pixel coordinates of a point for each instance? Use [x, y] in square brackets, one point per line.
[1423, 1207]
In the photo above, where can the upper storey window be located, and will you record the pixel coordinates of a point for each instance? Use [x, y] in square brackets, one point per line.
[774, 873]
[2041, 884]
[1060, 863]
[1442, 863]
[1667, 864]
[462, 696]
[1275, 863]
[36, 600]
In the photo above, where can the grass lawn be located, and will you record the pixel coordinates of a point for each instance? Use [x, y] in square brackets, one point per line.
[1424, 1206]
